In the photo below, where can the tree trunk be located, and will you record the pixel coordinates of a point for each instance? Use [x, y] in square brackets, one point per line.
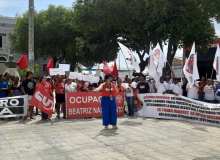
[170, 55]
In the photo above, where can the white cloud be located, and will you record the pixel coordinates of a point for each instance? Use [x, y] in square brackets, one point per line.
[10, 3]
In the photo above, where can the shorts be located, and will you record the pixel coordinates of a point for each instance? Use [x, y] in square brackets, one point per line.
[60, 98]
[29, 98]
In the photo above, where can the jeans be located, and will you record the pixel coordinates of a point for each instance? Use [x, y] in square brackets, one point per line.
[130, 102]
[201, 96]
[210, 101]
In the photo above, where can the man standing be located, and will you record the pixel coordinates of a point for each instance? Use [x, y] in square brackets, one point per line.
[175, 88]
[169, 80]
[150, 83]
[202, 84]
[160, 87]
[143, 87]
[192, 92]
[3, 87]
[28, 87]
[209, 89]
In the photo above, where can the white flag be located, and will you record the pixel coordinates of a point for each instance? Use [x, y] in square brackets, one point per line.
[152, 68]
[157, 51]
[190, 68]
[159, 69]
[216, 63]
[128, 55]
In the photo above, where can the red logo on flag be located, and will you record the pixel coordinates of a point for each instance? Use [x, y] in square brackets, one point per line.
[189, 64]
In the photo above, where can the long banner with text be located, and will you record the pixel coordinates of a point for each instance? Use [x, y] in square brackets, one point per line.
[168, 106]
[88, 104]
[13, 106]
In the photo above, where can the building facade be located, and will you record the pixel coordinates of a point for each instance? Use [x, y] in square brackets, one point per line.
[6, 26]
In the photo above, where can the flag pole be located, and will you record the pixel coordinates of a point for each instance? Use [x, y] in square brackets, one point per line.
[212, 72]
[126, 64]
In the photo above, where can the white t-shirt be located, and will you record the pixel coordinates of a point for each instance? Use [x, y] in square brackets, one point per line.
[70, 87]
[181, 90]
[192, 92]
[160, 87]
[209, 93]
[168, 84]
[129, 90]
[151, 85]
[175, 88]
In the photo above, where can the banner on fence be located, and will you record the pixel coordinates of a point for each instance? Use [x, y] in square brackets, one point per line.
[13, 106]
[88, 104]
[168, 106]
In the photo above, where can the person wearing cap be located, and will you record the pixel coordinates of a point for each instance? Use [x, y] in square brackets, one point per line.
[150, 83]
[108, 102]
[143, 87]
[160, 87]
[60, 96]
[175, 88]
[70, 86]
[28, 87]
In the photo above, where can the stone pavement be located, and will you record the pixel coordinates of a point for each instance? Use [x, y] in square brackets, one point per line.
[84, 139]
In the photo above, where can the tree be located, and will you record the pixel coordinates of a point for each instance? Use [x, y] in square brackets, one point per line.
[139, 23]
[56, 36]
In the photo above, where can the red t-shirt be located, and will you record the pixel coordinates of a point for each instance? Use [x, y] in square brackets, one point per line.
[121, 88]
[60, 88]
[85, 85]
[202, 84]
[47, 86]
[106, 91]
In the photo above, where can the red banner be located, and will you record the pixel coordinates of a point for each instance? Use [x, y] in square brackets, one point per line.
[88, 104]
[42, 100]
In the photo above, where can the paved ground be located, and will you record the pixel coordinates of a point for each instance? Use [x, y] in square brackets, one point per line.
[84, 139]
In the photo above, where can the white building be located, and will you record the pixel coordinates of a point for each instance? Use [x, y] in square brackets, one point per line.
[6, 26]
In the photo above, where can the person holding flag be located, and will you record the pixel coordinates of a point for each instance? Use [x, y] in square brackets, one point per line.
[47, 86]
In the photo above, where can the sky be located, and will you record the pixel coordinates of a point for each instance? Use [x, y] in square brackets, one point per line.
[10, 8]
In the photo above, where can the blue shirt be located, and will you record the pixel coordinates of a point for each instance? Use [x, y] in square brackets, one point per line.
[3, 85]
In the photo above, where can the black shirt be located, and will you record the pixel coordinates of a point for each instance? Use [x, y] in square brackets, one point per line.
[28, 85]
[143, 87]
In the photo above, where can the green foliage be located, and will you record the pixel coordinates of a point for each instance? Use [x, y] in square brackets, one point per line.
[23, 72]
[141, 22]
[36, 69]
[56, 36]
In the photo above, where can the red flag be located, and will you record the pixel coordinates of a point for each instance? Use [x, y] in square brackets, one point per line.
[111, 68]
[42, 100]
[50, 65]
[106, 68]
[22, 62]
[115, 70]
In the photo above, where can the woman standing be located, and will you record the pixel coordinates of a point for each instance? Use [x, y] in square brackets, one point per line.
[60, 96]
[16, 87]
[47, 86]
[108, 103]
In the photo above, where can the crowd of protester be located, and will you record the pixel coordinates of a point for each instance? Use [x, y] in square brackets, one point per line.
[56, 86]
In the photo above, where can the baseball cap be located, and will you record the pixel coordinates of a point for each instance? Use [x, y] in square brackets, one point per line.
[119, 79]
[48, 77]
[147, 78]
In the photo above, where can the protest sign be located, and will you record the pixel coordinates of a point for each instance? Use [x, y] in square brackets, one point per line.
[13, 106]
[95, 80]
[66, 67]
[88, 104]
[56, 71]
[168, 106]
